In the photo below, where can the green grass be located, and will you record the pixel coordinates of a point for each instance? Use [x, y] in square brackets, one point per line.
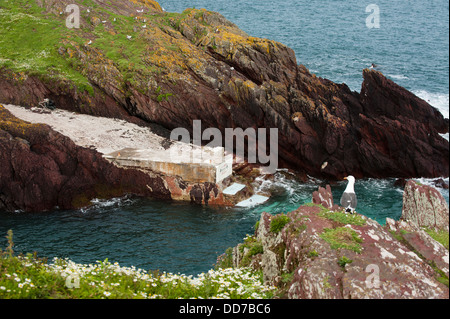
[32, 278]
[344, 261]
[340, 217]
[343, 218]
[30, 40]
[440, 236]
[342, 238]
[29, 43]
[313, 254]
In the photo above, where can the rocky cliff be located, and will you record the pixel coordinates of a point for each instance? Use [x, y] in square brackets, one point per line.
[319, 252]
[131, 60]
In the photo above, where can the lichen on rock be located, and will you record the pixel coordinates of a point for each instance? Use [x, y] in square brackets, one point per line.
[425, 206]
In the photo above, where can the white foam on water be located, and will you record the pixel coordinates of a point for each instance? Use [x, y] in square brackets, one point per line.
[397, 76]
[429, 181]
[97, 203]
[439, 101]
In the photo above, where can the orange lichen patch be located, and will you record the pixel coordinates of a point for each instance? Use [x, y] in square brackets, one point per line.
[297, 116]
[227, 41]
[279, 99]
[240, 89]
[16, 127]
[151, 4]
[175, 57]
[16, 76]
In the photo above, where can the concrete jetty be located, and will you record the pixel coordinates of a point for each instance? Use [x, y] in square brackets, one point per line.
[190, 162]
[199, 174]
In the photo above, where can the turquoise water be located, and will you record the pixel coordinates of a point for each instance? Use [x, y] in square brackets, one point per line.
[332, 40]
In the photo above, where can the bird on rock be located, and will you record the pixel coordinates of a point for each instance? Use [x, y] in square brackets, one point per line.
[348, 199]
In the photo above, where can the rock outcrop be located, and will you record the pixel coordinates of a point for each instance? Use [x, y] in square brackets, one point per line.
[315, 253]
[425, 206]
[41, 168]
[170, 69]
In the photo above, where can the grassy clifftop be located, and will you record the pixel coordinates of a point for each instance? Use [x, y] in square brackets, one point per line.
[29, 39]
[115, 41]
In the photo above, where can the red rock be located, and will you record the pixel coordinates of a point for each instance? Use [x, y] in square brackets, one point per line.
[324, 197]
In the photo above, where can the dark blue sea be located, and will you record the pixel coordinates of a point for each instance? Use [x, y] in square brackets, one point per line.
[331, 38]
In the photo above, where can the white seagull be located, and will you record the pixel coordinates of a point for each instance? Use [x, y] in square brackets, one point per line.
[348, 199]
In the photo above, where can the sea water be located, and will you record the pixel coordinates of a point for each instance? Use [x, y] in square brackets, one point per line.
[332, 39]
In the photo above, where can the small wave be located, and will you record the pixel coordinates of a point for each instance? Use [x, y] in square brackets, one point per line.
[106, 202]
[398, 77]
[97, 203]
[430, 181]
[283, 179]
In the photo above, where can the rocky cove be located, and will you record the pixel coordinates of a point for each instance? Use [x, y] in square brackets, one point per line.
[177, 68]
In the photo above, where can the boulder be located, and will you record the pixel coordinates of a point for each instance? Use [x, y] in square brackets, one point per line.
[425, 206]
[324, 197]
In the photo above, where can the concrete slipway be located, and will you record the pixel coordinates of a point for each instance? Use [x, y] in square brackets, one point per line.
[129, 145]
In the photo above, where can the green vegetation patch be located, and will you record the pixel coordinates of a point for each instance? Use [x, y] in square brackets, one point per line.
[29, 43]
[342, 237]
[440, 236]
[343, 218]
[340, 217]
[344, 261]
[252, 246]
[278, 222]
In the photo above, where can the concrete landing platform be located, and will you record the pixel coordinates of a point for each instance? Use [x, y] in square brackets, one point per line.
[233, 189]
[192, 163]
[253, 201]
